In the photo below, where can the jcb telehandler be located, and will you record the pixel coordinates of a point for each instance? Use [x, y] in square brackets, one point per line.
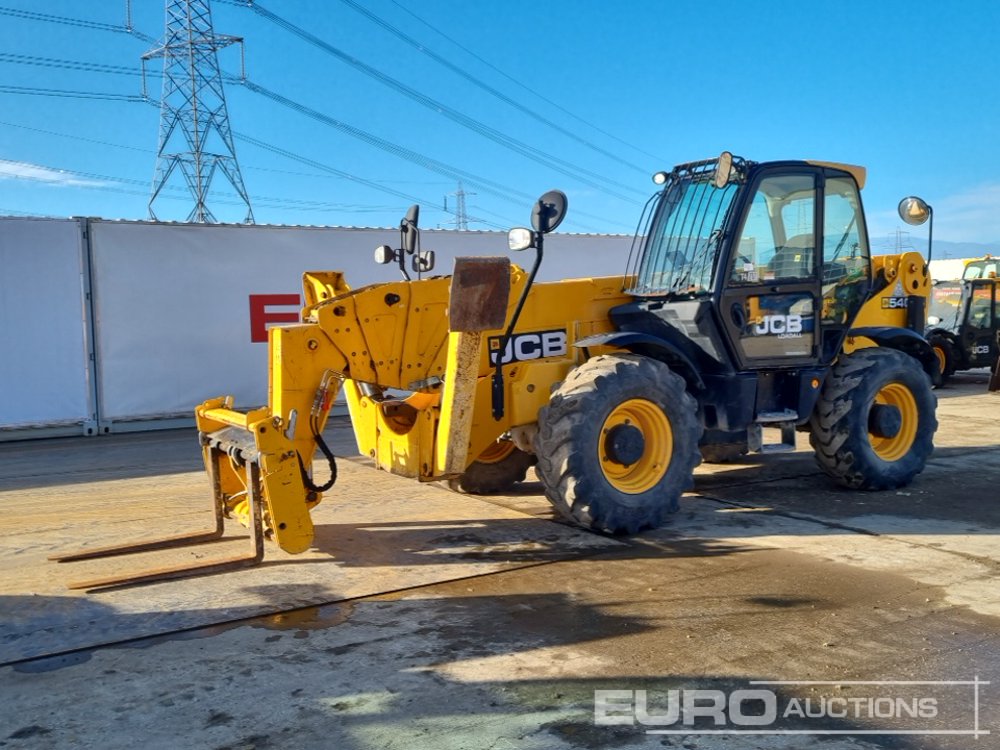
[963, 323]
[750, 304]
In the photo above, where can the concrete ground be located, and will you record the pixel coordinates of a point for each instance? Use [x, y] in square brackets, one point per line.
[427, 619]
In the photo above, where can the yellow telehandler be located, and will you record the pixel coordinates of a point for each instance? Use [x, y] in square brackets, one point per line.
[750, 306]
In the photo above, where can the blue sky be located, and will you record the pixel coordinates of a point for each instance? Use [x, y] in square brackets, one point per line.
[907, 89]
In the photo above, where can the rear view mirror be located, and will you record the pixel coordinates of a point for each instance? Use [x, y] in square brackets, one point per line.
[914, 210]
[549, 211]
[408, 229]
[423, 261]
[723, 170]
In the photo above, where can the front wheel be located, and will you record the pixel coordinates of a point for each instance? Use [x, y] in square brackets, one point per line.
[618, 443]
[874, 423]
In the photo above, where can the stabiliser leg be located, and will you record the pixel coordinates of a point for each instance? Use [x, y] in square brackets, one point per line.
[255, 502]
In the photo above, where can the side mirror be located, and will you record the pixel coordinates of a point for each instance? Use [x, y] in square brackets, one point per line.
[723, 170]
[408, 229]
[423, 261]
[914, 210]
[549, 211]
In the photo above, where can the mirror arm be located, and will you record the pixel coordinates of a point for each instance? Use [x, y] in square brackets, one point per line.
[930, 234]
[497, 385]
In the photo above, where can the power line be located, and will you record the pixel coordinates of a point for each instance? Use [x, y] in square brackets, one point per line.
[78, 22]
[568, 169]
[16, 212]
[81, 138]
[487, 186]
[110, 144]
[426, 162]
[333, 170]
[399, 34]
[530, 90]
[36, 91]
[54, 62]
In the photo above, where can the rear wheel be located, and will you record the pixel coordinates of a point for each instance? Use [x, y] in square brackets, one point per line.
[873, 426]
[617, 443]
[945, 353]
[497, 469]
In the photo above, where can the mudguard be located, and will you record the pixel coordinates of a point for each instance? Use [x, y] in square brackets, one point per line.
[649, 345]
[904, 340]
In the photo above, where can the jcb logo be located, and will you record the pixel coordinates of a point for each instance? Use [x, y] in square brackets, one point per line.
[982, 349]
[779, 324]
[525, 346]
[895, 303]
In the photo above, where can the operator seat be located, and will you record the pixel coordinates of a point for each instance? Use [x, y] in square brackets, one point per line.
[795, 259]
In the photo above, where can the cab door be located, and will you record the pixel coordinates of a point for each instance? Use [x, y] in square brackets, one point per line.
[979, 334]
[771, 297]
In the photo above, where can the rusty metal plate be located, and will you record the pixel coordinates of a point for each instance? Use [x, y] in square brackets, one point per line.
[480, 289]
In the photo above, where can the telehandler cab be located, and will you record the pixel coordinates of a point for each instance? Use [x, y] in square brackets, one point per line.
[750, 304]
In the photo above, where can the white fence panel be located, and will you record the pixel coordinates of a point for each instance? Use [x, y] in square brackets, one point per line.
[44, 368]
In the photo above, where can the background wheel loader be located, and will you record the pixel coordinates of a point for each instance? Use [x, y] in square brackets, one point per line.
[750, 305]
[963, 323]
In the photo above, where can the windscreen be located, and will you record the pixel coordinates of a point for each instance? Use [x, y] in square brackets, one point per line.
[945, 305]
[685, 236]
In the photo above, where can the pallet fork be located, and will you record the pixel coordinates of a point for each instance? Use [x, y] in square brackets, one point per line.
[220, 510]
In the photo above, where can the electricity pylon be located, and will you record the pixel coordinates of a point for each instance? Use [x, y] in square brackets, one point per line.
[195, 138]
[461, 215]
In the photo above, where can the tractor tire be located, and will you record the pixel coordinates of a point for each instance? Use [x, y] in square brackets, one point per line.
[874, 423]
[945, 353]
[618, 443]
[497, 469]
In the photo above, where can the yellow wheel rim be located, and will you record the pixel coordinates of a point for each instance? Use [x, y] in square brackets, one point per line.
[941, 358]
[648, 470]
[894, 448]
[496, 452]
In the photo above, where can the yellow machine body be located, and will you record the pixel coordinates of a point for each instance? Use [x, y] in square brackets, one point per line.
[907, 277]
[389, 349]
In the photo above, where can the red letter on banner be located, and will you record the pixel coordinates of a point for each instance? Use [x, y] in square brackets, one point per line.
[260, 317]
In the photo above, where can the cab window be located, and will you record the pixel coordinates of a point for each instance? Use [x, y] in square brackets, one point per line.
[845, 250]
[777, 241]
[981, 307]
